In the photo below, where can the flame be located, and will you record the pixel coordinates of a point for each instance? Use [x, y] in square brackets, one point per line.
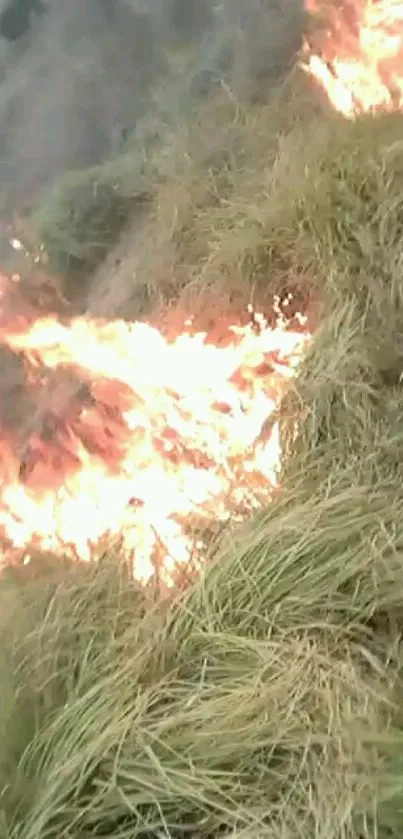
[134, 433]
[359, 59]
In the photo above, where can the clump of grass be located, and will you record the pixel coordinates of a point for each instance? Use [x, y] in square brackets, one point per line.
[84, 215]
[58, 620]
[214, 205]
[259, 204]
[348, 215]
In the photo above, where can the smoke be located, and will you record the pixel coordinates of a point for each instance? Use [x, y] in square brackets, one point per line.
[76, 76]
[69, 87]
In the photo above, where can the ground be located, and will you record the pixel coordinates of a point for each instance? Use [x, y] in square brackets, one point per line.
[263, 699]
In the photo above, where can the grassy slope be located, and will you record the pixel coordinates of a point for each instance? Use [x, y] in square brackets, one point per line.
[266, 701]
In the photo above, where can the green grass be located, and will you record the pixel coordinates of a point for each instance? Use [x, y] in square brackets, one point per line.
[265, 699]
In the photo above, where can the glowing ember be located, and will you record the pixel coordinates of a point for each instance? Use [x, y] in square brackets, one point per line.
[359, 63]
[134, 434]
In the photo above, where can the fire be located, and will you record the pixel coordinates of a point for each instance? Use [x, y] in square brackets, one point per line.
[134, 433]
[359, 60]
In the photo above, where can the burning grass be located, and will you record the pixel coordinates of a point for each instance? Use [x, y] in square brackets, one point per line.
[134, 448]
[264, 699]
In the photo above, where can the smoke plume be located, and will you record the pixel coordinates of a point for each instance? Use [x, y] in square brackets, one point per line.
[76, 76]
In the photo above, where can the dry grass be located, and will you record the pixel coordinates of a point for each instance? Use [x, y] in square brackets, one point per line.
[265, 701]
[214, 207]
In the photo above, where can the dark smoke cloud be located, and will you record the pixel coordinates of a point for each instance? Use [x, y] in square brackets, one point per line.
[76, 75]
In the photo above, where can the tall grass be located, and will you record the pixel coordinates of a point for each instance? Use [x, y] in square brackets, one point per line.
[265, 700]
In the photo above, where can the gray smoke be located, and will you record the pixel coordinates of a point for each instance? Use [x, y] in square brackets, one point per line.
[69, 87]
[76, 75]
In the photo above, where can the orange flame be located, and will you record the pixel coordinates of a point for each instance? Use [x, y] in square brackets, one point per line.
[359, 60]
[136, 434]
